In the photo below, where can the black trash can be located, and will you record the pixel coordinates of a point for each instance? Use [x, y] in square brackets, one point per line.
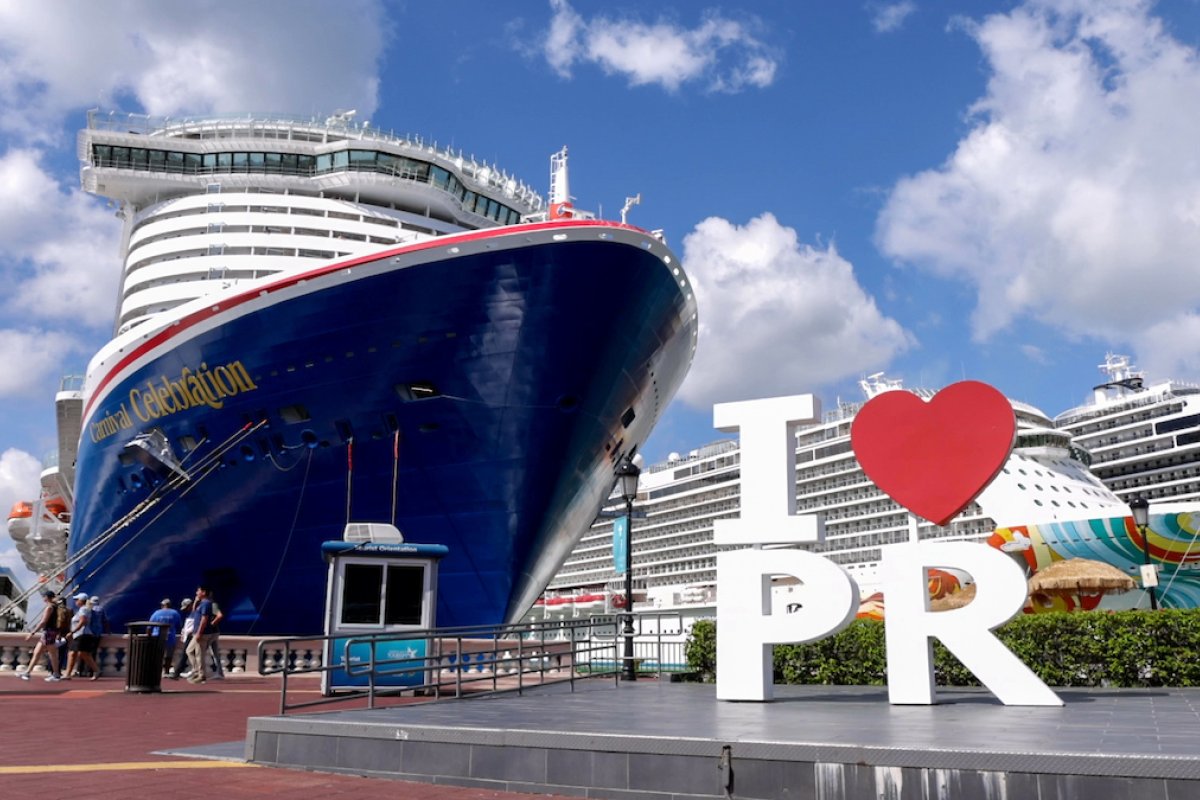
[144, 657]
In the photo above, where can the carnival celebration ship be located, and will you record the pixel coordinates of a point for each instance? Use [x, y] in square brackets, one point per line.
[1045, 483]
[321, 323]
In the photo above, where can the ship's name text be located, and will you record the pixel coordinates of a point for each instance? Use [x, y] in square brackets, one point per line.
[164, 396]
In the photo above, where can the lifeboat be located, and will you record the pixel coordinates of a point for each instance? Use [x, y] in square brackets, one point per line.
[58, 509]
[22, 509]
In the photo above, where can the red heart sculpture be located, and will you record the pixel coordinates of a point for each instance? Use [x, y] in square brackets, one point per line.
[935, 458]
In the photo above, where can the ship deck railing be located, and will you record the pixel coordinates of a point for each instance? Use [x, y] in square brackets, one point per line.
[473, 661]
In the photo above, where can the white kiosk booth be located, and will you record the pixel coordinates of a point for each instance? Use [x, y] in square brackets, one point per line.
[378, 584]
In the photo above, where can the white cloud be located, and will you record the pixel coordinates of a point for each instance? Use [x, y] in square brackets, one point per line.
[59, 244]
[19, 473]
[723, 53]
[777, 316]
[172, 57]
[890, 17]
[30, 359]
[1074, 198]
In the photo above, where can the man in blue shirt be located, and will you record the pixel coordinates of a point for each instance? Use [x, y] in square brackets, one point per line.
[172, 621]
[197, 650]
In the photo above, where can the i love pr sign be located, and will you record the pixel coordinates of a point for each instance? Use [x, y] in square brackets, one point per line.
[964, 424]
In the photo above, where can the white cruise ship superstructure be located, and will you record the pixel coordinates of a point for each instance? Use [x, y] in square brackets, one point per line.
[1144, 438]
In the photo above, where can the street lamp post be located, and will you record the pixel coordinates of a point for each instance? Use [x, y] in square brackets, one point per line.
[628, 474]
[1140, 507]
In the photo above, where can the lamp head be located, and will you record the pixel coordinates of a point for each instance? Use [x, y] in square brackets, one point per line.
[628, 474]
[1140, 507]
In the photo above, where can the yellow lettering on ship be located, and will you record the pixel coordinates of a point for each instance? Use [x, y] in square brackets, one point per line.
[110, 424]
[166, 395]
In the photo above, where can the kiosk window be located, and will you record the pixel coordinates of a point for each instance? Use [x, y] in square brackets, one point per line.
[405, 589]
[361, 595]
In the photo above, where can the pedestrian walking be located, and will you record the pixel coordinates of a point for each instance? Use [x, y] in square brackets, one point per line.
[214, 642]
[48, 640]
[82, 643]
[185, 611]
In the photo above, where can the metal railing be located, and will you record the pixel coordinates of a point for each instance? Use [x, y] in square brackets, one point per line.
[473, 661]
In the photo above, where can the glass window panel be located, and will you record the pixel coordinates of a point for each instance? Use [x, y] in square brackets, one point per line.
[362, 156]
[241, 161]
[361, 594]
[138, 158]
[441, 178]
[324, 163]
[192, 162]
[405, 589]
[469, 201]
[224, 160]
[289, 163]
[256, 161]
[102, 154]
[174, 162]
[210, 160]
[306, 164]
[341, 159]
[274, 162]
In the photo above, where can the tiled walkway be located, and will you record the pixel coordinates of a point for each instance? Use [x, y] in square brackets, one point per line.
[85, 739]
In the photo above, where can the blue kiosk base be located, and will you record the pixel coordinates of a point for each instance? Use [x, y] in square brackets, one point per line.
[667, 741]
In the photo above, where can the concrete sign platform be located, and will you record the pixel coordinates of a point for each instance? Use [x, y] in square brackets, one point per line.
[660, 740]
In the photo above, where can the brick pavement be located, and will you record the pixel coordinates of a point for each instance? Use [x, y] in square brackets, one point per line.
[102, 742]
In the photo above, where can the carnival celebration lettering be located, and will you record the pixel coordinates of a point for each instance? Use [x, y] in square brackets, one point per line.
[163, 396]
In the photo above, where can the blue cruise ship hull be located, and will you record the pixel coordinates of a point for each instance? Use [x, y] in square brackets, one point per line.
[478, 391]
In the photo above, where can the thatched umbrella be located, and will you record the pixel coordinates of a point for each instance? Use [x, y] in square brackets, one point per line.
[1080, 576]
[956, 599]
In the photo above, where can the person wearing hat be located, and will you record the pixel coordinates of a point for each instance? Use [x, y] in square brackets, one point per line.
[171, 620]
[48, 643]
[100, 626]
[185, 610]
[81, 642]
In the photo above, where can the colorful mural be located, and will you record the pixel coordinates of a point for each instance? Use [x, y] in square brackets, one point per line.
[1116, 541]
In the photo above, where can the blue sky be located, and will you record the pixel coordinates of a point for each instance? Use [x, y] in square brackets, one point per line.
[996, 191]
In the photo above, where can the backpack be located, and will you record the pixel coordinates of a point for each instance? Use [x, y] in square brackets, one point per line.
[63, 620]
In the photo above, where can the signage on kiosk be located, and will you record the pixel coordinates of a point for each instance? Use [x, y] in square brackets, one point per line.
[379, 588]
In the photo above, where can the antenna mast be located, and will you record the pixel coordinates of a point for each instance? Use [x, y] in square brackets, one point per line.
[630, 202]
[560, 190]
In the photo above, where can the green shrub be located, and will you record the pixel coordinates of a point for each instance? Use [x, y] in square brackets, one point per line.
[1121, 649]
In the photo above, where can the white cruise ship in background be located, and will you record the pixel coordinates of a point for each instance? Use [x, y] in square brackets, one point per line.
[1045, 482]
[1144, 439]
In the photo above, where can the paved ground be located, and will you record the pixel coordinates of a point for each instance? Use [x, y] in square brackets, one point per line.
[89, 739]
